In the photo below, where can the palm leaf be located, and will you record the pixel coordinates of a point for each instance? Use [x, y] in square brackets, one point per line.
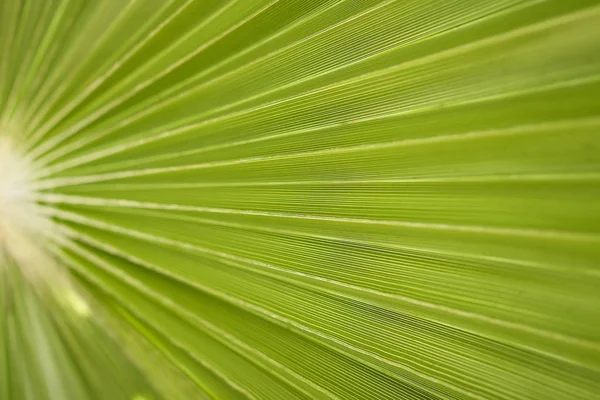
[280, 199]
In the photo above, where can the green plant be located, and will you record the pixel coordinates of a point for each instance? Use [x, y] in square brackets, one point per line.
[288, 199]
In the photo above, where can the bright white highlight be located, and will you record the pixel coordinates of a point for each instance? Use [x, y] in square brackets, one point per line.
[23, 229]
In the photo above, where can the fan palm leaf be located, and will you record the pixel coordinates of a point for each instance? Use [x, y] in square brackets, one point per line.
[281, 199]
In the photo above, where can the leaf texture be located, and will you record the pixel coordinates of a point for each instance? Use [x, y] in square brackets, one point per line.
[306, 199]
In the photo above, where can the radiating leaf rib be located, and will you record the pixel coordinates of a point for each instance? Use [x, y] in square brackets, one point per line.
[280, 199]
[218, 358]
[227, 339]
[110, 57]
[337, 25]
[390, 86]
[93, 23]
[208, 31]
[104, 239]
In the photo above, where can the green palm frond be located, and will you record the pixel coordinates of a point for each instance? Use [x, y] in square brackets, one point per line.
[299, 199]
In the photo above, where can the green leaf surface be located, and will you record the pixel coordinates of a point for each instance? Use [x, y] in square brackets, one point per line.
[299, 199]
